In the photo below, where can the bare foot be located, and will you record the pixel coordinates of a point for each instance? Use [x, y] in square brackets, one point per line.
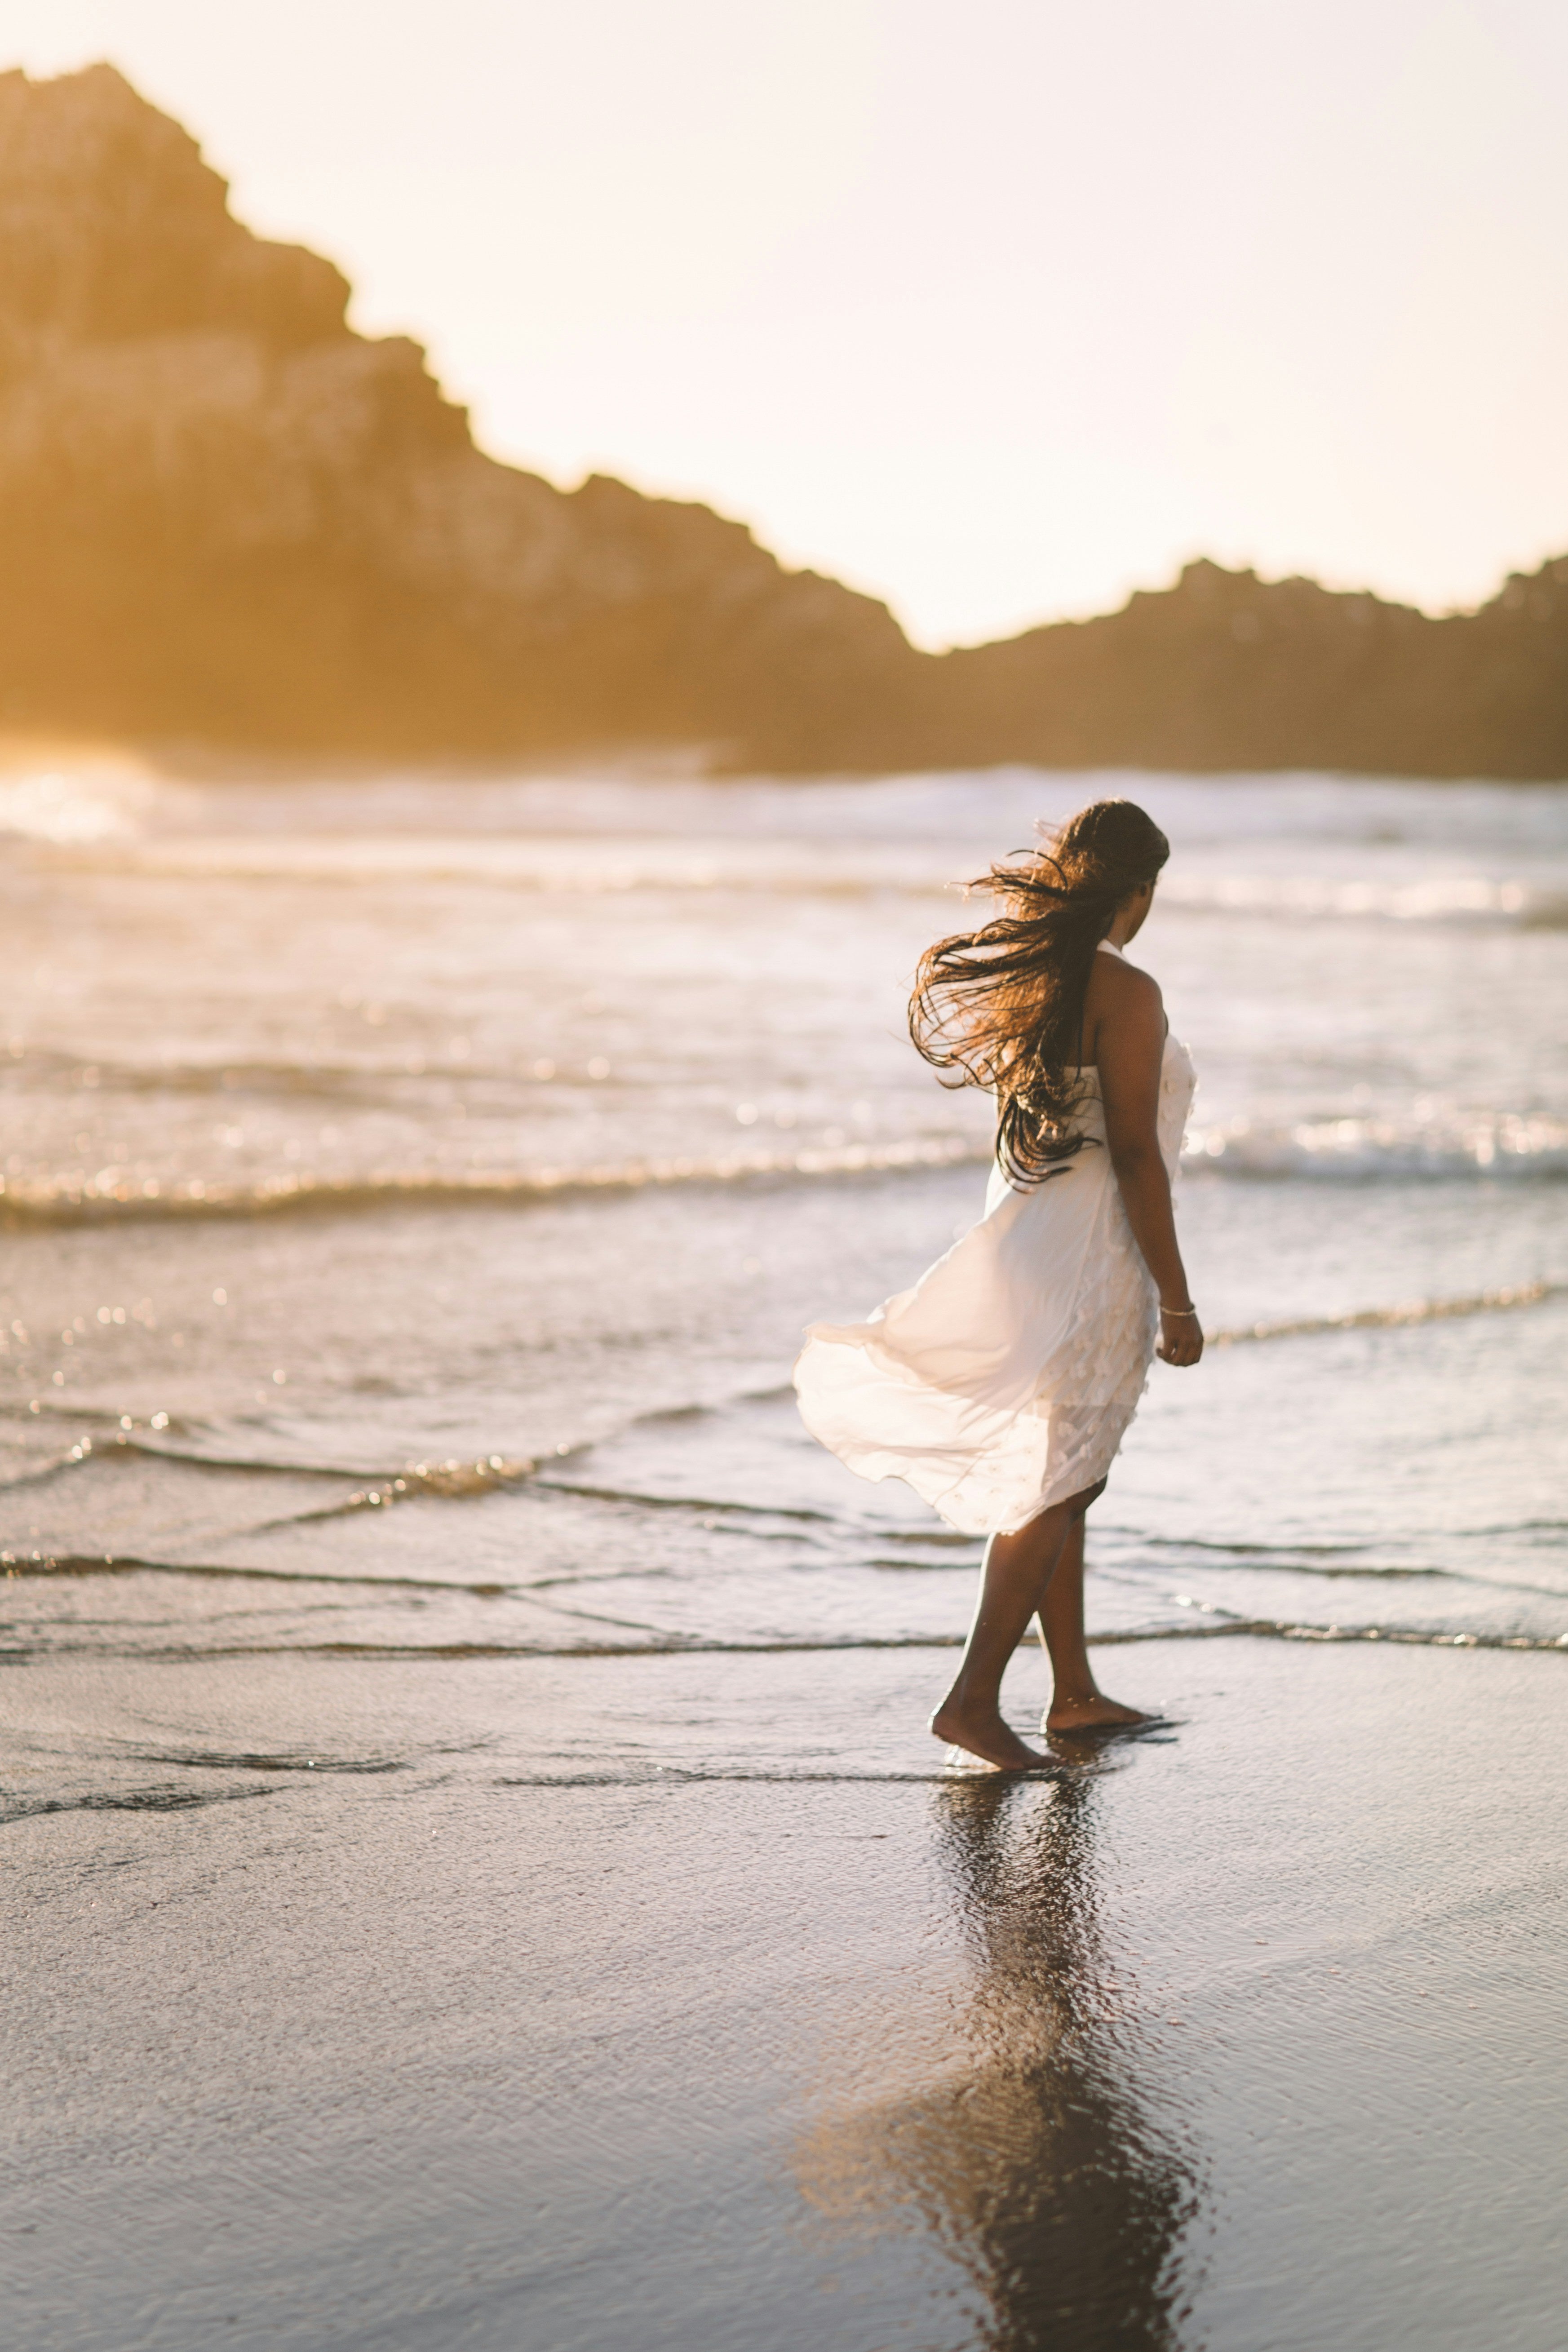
[1091, 1713]
[986, 1736]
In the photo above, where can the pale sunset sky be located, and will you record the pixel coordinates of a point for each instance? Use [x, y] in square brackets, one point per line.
[995, 308]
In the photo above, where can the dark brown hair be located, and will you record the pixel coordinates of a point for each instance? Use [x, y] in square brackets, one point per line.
[1002, 1007]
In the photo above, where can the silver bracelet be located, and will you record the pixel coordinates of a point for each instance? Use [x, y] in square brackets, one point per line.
[1178, 1310]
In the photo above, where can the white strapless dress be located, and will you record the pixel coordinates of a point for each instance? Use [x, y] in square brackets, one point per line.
[1005, 1379]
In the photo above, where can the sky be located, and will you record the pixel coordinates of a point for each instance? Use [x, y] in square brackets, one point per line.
[997, 309]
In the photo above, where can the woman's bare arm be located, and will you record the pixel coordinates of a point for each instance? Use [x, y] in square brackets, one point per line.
[1130, 1046]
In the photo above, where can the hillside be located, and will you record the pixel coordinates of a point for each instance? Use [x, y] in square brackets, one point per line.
[229, 521]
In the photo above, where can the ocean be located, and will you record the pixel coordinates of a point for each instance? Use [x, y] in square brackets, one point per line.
[414, 1189]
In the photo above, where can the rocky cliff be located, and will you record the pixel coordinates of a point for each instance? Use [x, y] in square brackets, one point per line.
[1228, 671]
[226, 518]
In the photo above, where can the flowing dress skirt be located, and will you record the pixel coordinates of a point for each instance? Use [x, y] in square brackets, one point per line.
[1004, 1380]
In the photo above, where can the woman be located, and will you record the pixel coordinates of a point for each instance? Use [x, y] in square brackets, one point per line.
[1000, 1386]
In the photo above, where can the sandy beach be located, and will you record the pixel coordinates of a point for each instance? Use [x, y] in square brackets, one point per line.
[475, 1879]
[611, 2002]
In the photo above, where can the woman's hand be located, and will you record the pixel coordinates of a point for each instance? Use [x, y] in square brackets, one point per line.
[1181, 1338]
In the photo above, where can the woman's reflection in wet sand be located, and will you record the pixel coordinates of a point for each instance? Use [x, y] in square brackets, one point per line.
[1038, 2163]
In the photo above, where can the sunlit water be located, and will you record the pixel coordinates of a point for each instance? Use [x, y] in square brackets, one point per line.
[414, 1191]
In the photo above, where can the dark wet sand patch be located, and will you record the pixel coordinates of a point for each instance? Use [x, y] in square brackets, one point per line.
[672, 2001]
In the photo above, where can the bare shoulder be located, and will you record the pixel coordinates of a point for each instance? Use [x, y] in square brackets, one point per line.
[1123, 992]
[1124, 1006]
[1127, 984]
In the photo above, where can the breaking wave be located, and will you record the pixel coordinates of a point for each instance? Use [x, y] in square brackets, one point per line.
[1463, 899]
[1354, 1150]
[1491, 1143]
[1391, 1318]
[116, 1193]
[94, 828]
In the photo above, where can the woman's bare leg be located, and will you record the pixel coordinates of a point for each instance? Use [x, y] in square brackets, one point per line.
[1077, 1702]
[1014, 1583]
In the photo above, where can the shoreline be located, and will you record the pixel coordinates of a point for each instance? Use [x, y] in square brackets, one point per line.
[763, 2021]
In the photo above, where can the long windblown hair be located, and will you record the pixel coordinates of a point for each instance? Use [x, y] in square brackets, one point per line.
[1002, 1007]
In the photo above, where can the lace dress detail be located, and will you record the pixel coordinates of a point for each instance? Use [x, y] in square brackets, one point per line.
[1005, 1379]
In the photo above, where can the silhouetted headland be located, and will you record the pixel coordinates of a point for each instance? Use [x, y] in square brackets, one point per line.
[231, 521]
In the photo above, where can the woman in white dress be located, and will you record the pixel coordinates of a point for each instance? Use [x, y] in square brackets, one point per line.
[1000, 1386]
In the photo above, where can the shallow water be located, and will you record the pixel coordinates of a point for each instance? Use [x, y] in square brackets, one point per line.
[414, 1191]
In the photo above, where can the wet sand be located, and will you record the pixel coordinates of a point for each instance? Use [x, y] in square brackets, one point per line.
[591, 2004]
